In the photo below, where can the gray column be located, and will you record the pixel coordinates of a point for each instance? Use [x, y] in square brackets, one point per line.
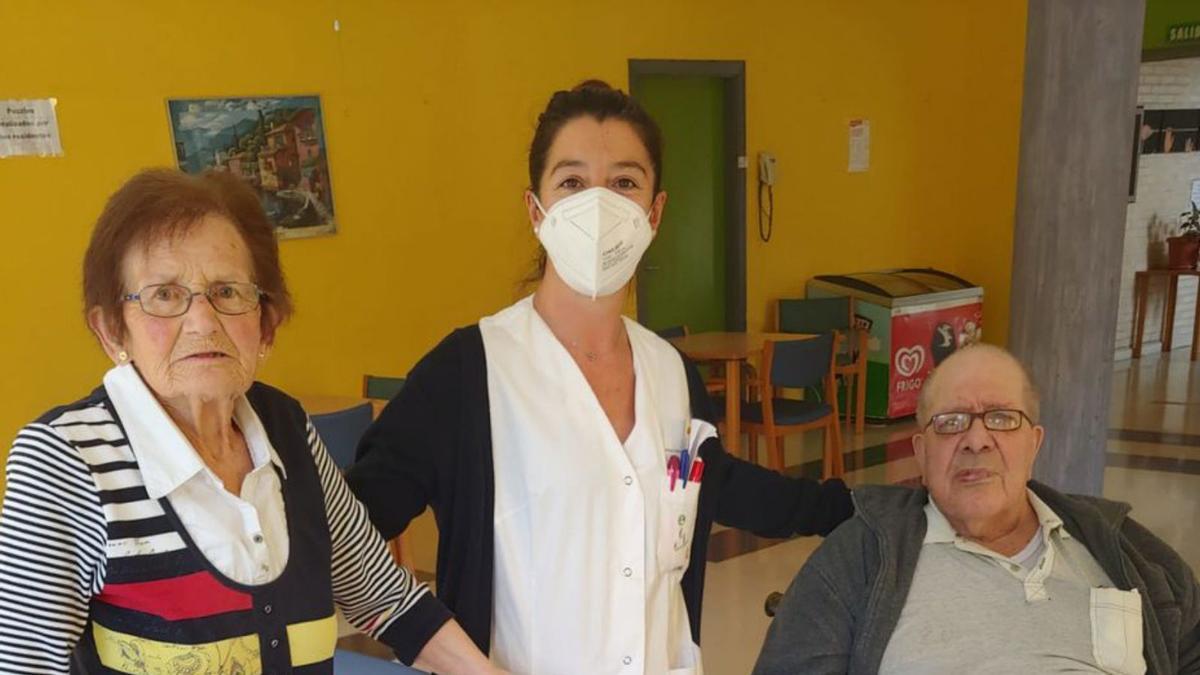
[1081, 70]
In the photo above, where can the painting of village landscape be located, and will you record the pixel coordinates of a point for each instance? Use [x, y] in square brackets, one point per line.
[275, 144]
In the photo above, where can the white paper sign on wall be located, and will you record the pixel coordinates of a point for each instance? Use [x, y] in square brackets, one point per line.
[860, 145]
[29, 127]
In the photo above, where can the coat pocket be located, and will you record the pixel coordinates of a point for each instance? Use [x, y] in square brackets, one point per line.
[676, 526]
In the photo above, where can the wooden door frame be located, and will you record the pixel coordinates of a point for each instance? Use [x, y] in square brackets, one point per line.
[733, 74]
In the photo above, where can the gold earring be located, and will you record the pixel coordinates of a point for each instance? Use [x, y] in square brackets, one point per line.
[122, 356]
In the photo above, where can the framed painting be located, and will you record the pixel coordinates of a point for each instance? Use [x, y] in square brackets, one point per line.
[274, 143]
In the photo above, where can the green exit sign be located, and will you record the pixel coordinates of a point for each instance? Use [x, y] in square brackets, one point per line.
[1184, 32]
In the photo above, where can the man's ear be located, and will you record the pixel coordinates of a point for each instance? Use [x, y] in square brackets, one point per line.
[1039, 436]
[918, 443]
[105, 332]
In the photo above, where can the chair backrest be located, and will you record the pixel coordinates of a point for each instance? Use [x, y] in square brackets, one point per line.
[813, 315]
[340, 431]
[346, 662]
[797, 364]
[382, 387]
[672, 332]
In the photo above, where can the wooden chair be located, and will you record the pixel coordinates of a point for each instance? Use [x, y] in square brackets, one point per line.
[713, 383]
[796, 364]
[381, 387]
[672, 332]
[818, 315]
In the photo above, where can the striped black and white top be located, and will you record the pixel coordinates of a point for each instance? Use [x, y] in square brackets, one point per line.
[75, 501]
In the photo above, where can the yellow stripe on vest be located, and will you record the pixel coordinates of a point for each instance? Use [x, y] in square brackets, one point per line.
[312, 641]
[131, 654]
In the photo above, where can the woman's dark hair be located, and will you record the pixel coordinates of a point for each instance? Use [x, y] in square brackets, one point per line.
[596, 99]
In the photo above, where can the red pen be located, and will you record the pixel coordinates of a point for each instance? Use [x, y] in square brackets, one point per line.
[697, 470]
[673, 470]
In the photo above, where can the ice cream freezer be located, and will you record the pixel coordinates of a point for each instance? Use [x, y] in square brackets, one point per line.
[915, 319]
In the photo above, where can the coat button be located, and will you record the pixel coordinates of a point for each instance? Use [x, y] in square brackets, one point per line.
[266, 609]
[629, 480]
[627, 572]
[274, 644]
[627, 660]
[258, 539]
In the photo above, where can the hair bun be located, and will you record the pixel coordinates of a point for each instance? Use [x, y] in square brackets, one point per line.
[595, 85]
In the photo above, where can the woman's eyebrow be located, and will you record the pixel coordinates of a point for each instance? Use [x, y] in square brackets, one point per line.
[569, 163]
[631, 164]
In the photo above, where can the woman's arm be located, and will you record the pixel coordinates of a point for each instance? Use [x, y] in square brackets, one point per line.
[377, 596]
[395, 473]
[451, 651]
[52, 543]
[757, 499]
[768, 503]
[381, 598]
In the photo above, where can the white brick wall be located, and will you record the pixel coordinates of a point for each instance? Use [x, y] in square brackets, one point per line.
[1163, 192]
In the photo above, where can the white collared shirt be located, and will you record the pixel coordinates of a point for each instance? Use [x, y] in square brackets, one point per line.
[244, 536]
[589, 546]
[1029, 566]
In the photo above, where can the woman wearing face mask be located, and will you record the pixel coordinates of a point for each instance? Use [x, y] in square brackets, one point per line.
[563, 447]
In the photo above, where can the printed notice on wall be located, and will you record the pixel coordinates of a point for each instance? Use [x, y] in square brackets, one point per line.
[860, 145]
[29, 127]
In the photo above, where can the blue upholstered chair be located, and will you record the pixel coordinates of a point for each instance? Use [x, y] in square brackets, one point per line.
[340, 431]
[820, 315]
[796, 364]
[346, 662]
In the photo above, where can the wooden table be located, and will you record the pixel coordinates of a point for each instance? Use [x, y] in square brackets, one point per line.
[1141, 289]
[733, 349]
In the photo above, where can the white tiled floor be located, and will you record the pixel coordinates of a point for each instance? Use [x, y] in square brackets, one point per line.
[734, 590]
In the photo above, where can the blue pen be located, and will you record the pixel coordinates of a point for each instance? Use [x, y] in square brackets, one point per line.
[684, 463]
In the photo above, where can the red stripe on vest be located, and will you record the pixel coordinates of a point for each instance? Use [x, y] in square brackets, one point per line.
[191, 596]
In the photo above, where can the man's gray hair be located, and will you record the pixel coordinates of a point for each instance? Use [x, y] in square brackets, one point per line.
[1029, 392]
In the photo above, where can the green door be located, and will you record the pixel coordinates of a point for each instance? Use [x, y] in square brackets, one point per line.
[682, 279]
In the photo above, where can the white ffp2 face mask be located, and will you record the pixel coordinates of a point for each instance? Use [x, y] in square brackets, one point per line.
[595, 238]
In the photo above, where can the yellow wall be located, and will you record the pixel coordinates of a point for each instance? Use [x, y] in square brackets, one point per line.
[429, 107]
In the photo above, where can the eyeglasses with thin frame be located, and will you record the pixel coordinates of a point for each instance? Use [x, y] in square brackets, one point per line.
[1001, 419]
[170, 300]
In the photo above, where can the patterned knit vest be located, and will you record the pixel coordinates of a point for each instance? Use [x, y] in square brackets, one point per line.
[164, 609]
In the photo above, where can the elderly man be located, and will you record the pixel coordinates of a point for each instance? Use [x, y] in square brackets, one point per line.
[985, 571]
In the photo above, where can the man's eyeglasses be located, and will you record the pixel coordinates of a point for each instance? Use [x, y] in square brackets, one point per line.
[170, 300]
[993, 420]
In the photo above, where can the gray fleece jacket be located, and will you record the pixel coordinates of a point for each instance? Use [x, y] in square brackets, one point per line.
[841, 609]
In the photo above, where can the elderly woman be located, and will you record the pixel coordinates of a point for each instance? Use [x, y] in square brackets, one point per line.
[184, 518]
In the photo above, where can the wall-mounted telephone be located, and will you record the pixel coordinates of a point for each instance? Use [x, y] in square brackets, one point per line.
[766, 183]
[766, 168]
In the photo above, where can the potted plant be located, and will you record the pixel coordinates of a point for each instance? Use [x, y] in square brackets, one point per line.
[1184, 249]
